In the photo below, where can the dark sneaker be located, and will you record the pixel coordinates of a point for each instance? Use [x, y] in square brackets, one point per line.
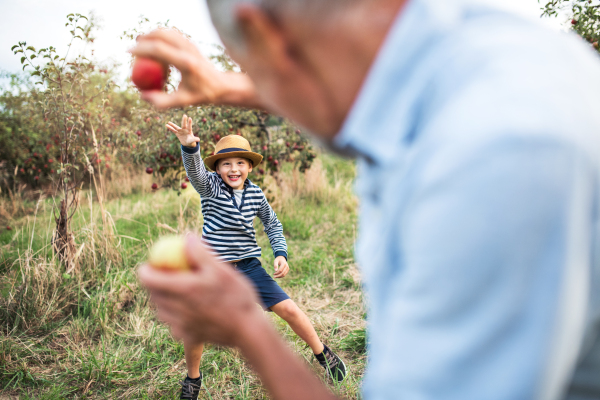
[190, 388]
[335, 367]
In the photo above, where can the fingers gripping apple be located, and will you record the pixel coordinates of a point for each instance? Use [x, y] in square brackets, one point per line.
[168, 254]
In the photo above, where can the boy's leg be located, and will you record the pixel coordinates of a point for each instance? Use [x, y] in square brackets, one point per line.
[299, 322]
[193, 357]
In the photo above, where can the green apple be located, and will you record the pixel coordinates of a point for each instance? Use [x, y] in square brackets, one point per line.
[168, 254]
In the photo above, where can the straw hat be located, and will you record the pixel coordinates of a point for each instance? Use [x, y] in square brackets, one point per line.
[232, 146]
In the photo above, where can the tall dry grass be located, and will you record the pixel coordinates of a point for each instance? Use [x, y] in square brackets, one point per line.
[91, 332]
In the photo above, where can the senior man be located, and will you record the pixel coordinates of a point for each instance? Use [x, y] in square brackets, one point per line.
[477, 135]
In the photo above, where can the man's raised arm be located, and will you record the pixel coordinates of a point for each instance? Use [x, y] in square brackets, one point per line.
[201, 82]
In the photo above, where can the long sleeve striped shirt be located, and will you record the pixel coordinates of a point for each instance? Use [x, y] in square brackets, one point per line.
[228, 226]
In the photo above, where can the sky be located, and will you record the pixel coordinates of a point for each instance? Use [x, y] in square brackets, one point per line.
[41, 23]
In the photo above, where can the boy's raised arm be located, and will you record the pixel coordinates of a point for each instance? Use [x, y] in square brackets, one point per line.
[204, 182]
[201, 82]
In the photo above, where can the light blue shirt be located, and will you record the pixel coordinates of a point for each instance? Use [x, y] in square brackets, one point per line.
[478, 135]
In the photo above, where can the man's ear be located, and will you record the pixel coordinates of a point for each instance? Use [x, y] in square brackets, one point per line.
[263, 37]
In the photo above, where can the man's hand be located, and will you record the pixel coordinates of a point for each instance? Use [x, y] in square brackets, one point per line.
[213, 303]
[217, 304]
[201, 82]
[184, 134]
[281, 267]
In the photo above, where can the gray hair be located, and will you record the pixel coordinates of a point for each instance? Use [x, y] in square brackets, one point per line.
[222, 13]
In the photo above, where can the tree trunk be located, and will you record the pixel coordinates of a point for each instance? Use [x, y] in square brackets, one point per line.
[63, 241]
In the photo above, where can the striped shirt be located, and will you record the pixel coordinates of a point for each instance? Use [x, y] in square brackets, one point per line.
[228, 224]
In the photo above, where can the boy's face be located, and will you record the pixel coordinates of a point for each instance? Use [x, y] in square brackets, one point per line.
[234, 171]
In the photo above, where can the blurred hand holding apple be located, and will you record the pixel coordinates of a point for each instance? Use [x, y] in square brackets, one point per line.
[210, 302]
[201, 82]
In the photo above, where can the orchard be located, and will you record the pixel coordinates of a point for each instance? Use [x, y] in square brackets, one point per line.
[65, 125]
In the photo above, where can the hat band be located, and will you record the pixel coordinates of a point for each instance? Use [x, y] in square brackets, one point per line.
[230, 150]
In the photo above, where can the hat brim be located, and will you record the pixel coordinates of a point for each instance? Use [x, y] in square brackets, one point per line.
[254, 157]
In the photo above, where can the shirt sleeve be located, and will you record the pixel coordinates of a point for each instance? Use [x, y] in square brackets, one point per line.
[205, 183]
[273, 228]
[486, 294]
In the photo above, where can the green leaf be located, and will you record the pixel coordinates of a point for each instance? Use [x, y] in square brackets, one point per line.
[14, 47]
[31, 48]
[36, 73]
[33, 56]
[23, 59]
[55, 57]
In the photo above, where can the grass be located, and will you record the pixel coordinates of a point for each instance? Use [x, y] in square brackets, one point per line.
[92, 333]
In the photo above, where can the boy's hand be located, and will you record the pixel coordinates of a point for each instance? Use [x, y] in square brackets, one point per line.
[281, 267]
[184, 134]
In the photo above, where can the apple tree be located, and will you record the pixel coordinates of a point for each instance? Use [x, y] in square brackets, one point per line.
[584, 14]
[71, 101]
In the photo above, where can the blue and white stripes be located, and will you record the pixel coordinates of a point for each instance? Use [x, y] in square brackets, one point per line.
[228, 226]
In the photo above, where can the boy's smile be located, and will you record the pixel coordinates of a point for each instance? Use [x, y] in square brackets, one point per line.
[234, 171]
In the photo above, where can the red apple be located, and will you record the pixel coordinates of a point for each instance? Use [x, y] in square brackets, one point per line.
[270, 158]
[573, 21]
[149, 170]
[148, 74]
[8, 228]
[139, 133]
[183, 185]
[276, 162]
[265, 148]
[154, 186]
[187, 179]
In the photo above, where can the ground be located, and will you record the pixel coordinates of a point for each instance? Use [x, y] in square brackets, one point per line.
[91, 333]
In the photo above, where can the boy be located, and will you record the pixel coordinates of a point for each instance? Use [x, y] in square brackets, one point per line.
[229, 204]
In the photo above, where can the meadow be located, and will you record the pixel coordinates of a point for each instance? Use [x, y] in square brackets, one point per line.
[91, 332]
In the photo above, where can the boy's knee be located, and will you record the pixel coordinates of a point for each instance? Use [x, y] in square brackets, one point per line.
[288, 310]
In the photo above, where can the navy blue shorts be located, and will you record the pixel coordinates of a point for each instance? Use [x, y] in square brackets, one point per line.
[268, 290]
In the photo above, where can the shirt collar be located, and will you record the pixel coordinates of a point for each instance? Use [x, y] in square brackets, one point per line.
[387, 105]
